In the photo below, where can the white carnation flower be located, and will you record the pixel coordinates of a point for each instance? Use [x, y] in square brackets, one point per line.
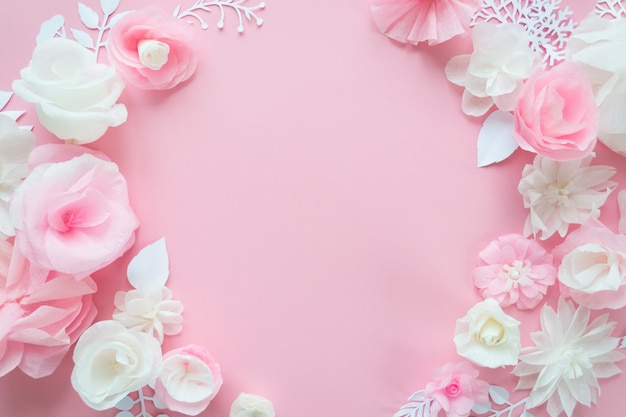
[495, 71]
[149, 310]
[562, 193]
[569, 356]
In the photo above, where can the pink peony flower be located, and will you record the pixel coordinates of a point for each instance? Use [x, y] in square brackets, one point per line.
[415, 21]
[152, 50]
[592, 266]
[42, 313]
[456, 389]
[73, 216]
[189, 381]
[514, 270]
[556, 115]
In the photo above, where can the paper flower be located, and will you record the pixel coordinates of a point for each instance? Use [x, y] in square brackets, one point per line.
[15, 146]
[251, 405]
[73, 216]
[150, 310]
[514, 270]
[556, 114]
[42, 313]
[75, 96]
[111, 361]
[455, 388]
[189, 381]
[593, 266]
[152, 50]
[495, 72]
[569, 356]
[562, 193]
[487, 336]
[597, 46]
[415, 21]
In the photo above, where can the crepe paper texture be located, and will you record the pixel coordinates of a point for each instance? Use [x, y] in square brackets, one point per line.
[548, 24]
[495, 139]
[240, 7]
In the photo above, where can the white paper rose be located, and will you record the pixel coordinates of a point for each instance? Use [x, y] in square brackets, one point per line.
[15, 146]
[75, 96]
[487, 336]
[593, 267]
[495, 71]
[597, 46]
[251, 405]
[111, 361]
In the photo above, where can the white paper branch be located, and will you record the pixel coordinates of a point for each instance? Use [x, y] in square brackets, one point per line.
[150, 267]
[495, 140]
[238, 6]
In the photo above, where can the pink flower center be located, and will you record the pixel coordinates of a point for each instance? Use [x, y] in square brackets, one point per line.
[74, 210]
[452, 389]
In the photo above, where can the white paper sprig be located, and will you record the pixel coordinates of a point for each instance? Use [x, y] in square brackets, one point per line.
[5, 97]
[238, 6]
[418, 406]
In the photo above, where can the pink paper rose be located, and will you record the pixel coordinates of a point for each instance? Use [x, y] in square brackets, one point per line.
[73, 216]
[515, 270]
[152, 50]
[42, 313]
[189, 381]
[592, 266]
[456, 389]
[556, 115]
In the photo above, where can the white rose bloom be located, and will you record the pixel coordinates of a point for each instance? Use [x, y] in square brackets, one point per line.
[487, 336]
[150, 310]
[593, 267]
[111, 361]
[15, 146]
[598, 46]
[495, 71]
[75, 96]
[251, 405]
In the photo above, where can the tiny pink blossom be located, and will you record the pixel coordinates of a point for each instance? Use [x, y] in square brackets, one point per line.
[456, 389]
[152, 50]
[514, 270]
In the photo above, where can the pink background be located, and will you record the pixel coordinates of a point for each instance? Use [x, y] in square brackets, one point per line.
[318, 190]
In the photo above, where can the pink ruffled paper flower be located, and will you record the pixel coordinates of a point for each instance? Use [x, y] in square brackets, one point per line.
[593, 266]
[415, 21]
[562, 193]
[189, 381]
[152, 50]
[73, 216]
[569, 356]
[556, 114]
[514, 270]
[42, 313]
[456, 389]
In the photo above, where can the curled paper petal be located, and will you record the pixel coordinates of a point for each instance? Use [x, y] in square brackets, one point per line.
[495, 140]
[415, 21]
[150, 268]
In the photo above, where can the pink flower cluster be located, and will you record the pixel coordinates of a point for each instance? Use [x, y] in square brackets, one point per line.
[456, 389]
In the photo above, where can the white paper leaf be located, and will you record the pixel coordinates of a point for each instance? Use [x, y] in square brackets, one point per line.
[176, 11]
[495, 140]
[117, 17]
[418, 396]
[481, 408]
[124, 414]
[526, 414]
[109, 6]
[88, 16]
[150, 267]
[623, 344]
[83, 38]
[125, 404]
[13, 114]
[5, 96]
[499, 395]
[49, 28]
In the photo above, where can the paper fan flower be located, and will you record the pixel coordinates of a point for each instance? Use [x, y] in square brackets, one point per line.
[415, 21]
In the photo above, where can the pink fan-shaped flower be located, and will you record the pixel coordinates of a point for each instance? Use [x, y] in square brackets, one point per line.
[415, 21]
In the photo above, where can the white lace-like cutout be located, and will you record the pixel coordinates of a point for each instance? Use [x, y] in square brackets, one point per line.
[610, 8]
[547, 25]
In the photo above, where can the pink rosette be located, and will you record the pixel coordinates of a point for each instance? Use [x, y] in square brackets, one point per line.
[415, 21]
[556, 114]
[456, 389]
[42, 313]
[189, 381]
[514, 270]
[152, 50]
[592, 266]
[73, 216]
